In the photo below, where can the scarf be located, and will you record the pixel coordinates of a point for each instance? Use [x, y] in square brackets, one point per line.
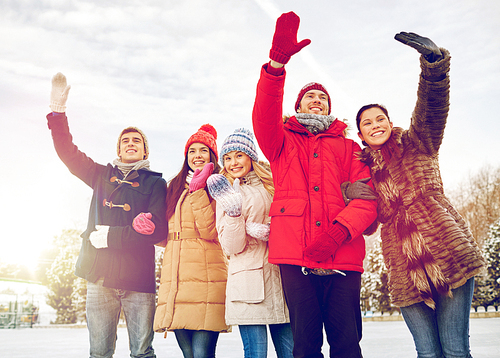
[126, 168]
[189, 177]
[314, 123]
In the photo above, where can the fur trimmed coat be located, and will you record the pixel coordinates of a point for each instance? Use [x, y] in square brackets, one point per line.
[424, 239]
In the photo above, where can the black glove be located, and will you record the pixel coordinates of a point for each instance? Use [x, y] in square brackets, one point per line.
[423, 45]
[357, 190]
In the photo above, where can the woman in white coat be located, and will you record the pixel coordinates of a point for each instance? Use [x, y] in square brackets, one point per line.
[254, 295]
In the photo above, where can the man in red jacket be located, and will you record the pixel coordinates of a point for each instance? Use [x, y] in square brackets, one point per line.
[315, 238]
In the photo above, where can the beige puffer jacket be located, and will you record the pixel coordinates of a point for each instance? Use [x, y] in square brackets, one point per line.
[194, 272]
[254, 294]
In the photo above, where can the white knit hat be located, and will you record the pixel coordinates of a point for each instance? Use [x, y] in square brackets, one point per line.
[242, 141]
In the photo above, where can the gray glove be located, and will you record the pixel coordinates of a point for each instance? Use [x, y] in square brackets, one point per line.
[423, 45]
[357, 190]
[229, 197]
[259, 231]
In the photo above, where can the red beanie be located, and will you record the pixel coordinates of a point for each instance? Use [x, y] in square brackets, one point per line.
[206, 135]
[312, 86]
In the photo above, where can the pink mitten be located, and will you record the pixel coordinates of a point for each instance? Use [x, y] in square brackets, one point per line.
[285, 38]
[199, 180]
[143, 225]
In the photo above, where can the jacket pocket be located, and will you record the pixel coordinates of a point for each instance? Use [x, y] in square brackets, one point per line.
[247, 286]
[287, 227]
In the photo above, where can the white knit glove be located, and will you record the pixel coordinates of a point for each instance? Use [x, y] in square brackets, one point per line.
[99, 238]
[259, 231]
[229, 197]
[59, 94]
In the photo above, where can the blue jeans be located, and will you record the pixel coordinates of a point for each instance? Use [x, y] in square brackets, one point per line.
[197, 344]
[254, 339]
[103, 312]
[443, 332]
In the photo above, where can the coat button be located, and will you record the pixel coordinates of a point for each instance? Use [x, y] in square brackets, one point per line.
[318, 223]
[315, 155]
[282, 210]
[316, 188]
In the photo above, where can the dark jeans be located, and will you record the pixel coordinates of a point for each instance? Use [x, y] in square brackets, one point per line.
[197, 344]
[332, 302]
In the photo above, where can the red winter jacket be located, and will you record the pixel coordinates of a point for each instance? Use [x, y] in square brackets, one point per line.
[307, 171]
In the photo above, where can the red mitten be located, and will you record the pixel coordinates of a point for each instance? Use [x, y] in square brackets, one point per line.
[143, 225]
[327, 243]
[199, 180]
[285, 38]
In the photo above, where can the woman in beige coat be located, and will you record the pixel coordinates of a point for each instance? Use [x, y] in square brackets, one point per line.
[254, 295]
[193, 276]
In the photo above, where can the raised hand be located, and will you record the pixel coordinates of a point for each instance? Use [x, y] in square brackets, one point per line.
[59, 93]
[423, 45]
[199, 180]
[229, 197]
[285, 38]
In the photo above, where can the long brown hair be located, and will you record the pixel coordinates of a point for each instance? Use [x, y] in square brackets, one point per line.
[177, 184]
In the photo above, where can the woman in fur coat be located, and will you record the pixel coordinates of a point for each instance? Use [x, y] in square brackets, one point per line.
[428, 249]
[254, 295]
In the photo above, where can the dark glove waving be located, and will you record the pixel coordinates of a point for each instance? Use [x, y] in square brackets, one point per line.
[285, 38]
[423, 45]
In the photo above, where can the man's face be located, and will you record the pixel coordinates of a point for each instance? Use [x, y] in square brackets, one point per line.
[314, 102]
[131, 147]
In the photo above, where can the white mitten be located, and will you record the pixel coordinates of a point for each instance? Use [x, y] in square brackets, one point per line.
[99, 238]
[59, 94]
[259, 231]
[229, 197]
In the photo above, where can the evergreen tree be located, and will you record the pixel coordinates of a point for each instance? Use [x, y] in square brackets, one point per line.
[66, 291]
[375, 281]
[491, 252]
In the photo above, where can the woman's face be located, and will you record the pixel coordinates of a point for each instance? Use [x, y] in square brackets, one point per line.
[198, 155]
[375, 127]
[237, 164]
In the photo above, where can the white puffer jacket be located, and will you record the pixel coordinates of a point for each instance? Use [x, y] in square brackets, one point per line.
[254, 293]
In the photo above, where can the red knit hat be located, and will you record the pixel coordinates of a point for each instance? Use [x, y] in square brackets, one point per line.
[206, 135]
[312, 86]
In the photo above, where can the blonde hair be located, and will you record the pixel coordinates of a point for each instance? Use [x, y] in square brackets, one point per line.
[262, 170]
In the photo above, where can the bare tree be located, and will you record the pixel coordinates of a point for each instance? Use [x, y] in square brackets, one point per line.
[478, 201]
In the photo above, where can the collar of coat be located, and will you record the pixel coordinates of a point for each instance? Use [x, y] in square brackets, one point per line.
[337, 128]
[369, 155]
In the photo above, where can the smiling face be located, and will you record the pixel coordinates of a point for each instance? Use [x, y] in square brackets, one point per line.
[198, 155]
[314, 102]
[131, 147]
[237, 164]
[375, 128]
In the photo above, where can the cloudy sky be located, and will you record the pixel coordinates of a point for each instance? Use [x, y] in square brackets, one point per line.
[170, 66]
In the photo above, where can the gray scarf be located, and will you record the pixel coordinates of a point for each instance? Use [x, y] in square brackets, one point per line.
[315, 123]
[126, 168]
